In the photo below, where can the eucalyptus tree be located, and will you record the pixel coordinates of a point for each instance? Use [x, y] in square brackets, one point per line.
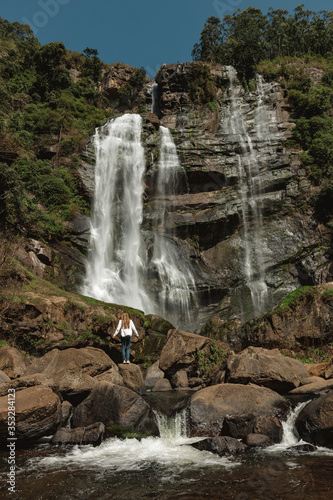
[209, 46]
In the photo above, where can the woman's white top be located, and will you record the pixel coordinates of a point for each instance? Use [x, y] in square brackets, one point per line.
[126, 331]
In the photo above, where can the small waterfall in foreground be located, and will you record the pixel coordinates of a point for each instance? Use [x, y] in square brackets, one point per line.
[237, 120]
[176, 279]
[116, 264]
[172, 428]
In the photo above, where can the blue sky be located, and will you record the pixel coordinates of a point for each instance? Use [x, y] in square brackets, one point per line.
[144, 33]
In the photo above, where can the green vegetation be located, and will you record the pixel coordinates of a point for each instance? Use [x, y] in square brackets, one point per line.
[125, 433]
[210, 361]
[246, 37]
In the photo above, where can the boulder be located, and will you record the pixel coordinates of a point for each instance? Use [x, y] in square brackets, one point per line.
[329, 372]
[154, 373]
[112, 404]
[314, 387]
[4, 377]
[55, 364]
[72, 370]
[37, 413]
[236, 410]
[13, 362]
[222, 445]
[268, 368]
[92, 434]
[162, 385]
[132, 377]
[315, 421]
[317, 369]
[258, 440]
[112, 375]
[180, 351]
[179, 379]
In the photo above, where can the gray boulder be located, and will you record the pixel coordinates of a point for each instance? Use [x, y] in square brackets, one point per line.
[315, 422]
[154, 373]
[222, 445]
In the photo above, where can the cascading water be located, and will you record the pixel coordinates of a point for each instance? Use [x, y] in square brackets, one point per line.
[154, 99]
[116, 263]
[177, 283]
[247, 142]
[118, 267]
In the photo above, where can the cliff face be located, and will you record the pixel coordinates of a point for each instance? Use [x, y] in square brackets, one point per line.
[240, 221]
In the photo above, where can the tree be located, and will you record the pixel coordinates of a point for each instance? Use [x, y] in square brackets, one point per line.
[209, 47]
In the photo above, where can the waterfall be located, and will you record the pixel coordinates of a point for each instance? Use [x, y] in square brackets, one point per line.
[177, 283]
[116, 264]
[172, 428]
[238, 122]
[154, 99]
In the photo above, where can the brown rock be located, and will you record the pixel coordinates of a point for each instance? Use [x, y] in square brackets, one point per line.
[37, 413]
[162, 385]
[313, 387]
[113, 404]
[154, 373]
[315, 422]
[66, 413]
[267, 368]
[214, 409]
[112, 375]
[222, 445]
[258, 440]
[92, 434]
[132, 377]
[13, 362]
[3, 377]
[329, 372]
[180, 379]
[317, 370]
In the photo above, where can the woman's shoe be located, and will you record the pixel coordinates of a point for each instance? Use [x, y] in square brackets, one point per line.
[124, 361]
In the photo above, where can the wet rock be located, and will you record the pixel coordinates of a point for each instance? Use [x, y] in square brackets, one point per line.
[315, 421]
[113, 404]
[132, 377]
[92, 434]
[222, 445]
[235, 410]
[37, 414]
[66, 413]
[162, 385]
[258, 440]
[154, 373]
[306, 448]
[179, 379]
[267, 368]
[13, 362]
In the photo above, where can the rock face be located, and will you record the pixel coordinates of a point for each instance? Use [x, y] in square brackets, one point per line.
[236, 410]
[305, 316]
[180, 351]
[266, 368]
[92, 434]
[112, 404]
[315, 422]
[37, 412]
[12, 362]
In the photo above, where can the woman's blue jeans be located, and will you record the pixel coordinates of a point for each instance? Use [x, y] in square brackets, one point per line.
[125, 347]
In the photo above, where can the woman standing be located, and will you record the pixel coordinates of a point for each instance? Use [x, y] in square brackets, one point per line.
[126, 326]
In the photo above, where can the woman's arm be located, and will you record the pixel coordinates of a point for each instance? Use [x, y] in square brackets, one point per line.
[118, 328]
[132, 325]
